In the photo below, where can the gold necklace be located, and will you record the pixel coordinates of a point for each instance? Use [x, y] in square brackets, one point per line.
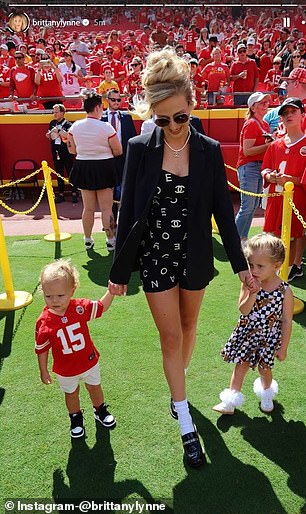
[177, 151]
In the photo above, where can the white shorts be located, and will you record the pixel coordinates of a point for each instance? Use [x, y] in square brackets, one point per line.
[91, 377]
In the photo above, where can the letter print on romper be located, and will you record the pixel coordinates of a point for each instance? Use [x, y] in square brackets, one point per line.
[163, 248]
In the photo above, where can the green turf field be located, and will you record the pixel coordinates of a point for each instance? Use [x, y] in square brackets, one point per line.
[257, 462]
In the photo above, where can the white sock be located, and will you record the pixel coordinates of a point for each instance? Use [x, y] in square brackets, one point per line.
[87, 239]
[184, 418]
[186, 369]
[111, 240]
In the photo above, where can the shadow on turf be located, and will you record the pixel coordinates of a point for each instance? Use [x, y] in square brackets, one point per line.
[91, 475]
[8, 319]
[283, 442]
[225, 485]
[98, 267]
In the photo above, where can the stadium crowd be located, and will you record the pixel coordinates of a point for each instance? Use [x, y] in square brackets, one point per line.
[232, 52]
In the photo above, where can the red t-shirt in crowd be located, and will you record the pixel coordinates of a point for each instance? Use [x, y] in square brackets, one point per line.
[22, 81]
[68, 337]
[95, 67]
[290, 160]
[252, 129]
[247, 84]
[4, 77]
[214, 74]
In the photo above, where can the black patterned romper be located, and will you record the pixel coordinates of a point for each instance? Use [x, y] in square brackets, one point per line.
[164, 243]
[257, 335]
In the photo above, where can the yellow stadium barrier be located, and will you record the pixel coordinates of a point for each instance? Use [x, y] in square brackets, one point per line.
[55, 236]
[10, 300]
[285, 236]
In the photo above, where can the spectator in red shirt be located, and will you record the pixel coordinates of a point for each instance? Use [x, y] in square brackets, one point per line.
[197, 82]
[266, 55]
[48, 79]
[95, 66]
[272, 79]
[216, 74]
[58, 48]
[6, 59]
[191, 38]
[145, 37]
[252, 148]
[115, 66]
[137, 46]
[116, 44]
[159, 36]
[205, 54]
[4, 84]
[244, 74]
[22, 83]
[133, 81]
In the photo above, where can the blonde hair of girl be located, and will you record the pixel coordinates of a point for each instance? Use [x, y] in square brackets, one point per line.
[62, 268]
[268, 244]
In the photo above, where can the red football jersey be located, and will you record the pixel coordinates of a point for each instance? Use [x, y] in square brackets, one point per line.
[68, 337]
[290, 160]
[49, 85]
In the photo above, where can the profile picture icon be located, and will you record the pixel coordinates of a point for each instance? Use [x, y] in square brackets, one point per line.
[18, 22]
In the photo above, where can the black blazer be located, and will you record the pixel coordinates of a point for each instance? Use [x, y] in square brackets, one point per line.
[207, 194]
[197, 124]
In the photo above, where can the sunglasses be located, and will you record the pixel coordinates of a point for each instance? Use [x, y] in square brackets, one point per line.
[180, 119]
[135, 64]
[241, 51]
[115, 99]
[296, 56]
[67, 55]
[19, 57]
[109, 53]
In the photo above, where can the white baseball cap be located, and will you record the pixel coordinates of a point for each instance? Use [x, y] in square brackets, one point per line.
[250, 41]
[256, 97]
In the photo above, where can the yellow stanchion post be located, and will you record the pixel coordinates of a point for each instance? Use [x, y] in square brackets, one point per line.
[56, 236]
[214, 225]
[10, 300]
[285, 236]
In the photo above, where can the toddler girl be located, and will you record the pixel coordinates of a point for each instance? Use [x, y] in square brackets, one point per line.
[264, 328]
[62, 327]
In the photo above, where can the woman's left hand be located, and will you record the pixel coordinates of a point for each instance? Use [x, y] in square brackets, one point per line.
[247, 279]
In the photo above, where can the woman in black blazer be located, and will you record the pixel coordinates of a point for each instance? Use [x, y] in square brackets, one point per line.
[174, 180]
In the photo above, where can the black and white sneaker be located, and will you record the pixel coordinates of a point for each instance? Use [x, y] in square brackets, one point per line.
[110, 246]
[89, 244]
[104, 416]
[296, 271]
[76, 424]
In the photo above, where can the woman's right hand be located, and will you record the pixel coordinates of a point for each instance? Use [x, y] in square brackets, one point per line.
[117, 289]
